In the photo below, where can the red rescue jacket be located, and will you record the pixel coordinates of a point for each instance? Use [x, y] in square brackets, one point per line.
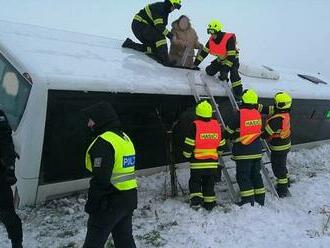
[286, 126]
[250, 126]
[221, 48]
[207, 140]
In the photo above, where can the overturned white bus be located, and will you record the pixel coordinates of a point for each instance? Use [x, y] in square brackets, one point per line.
[48, 76]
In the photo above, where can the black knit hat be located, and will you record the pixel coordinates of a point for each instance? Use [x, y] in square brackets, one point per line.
[103, 114]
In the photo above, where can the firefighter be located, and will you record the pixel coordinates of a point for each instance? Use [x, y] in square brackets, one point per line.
[223, 46]
[149, 27]
[8, 215]
[112, 195]
[245, 131]
[201, 145]
[278, 134]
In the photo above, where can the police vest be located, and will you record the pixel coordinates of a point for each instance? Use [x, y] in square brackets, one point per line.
[221, 48]
[250, 126]
[285, 131]
[123, 173]
[207, 140]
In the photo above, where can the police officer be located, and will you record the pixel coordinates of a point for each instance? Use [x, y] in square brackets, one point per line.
[278, 134]
[201, 145]
[245, 131]
[149, 27]
[223, 46]
[112, 195]
[8, 215]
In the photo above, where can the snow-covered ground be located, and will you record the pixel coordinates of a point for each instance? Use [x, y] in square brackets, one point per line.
[298, 221]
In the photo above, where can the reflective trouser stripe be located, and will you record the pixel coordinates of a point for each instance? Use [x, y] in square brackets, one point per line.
[158, 21]
[260, 191]
[282, 180]
[242, 157]
[209, 199]
[280, 148]
[161, 43]
[199, 194]
[119, 178]
[210, 165]
[228, 63]
[247, 193]
[236, 84]
[140, 19]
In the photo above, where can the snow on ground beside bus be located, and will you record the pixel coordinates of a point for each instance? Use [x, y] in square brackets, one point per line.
[298, 221]
[283, 33]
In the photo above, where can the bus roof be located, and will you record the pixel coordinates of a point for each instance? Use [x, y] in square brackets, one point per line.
[65, 60]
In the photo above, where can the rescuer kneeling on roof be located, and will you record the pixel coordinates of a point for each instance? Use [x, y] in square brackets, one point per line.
[201, 145]
[245, 131]
[149, 27]
[8, 215]
[223, 46]
[278, 134]
[112, 195]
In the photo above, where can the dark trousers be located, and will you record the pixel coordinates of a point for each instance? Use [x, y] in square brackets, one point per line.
[235, 78]
[250, 181]
[280, 170]
[9, 217]
[118, 222]
[201, 187]
[149, 36]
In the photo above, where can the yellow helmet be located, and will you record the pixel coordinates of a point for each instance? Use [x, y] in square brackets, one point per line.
[176, 3]
[204, 109]
[214, 27]
[283, 100]
[250, 97]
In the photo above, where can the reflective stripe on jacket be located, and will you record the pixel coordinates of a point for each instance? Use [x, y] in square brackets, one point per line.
[123, 174]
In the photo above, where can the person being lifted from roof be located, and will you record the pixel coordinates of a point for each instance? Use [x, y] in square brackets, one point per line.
[223, 46]
[182, 48]
[149, 27]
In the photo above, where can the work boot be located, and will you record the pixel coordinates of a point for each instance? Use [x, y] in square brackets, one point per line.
[209, 205]
[162, 57]
[237, 92]
[17, 244]
[246, 200]
[128, 43]
[196, 202]
[260, 199]
[282, 190]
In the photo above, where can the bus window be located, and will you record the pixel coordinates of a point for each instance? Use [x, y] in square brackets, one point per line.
[14, 93]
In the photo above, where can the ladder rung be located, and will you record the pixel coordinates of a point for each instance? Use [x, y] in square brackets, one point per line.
[204, 97]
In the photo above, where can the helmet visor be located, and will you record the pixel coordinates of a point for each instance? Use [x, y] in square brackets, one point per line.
[211, 31]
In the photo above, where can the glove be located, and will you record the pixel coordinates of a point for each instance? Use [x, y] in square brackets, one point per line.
[10, 177]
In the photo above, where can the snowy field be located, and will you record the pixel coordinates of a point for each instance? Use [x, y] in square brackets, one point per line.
[299, 221]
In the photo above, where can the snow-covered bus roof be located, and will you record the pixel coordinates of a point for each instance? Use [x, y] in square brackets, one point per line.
[65, 60]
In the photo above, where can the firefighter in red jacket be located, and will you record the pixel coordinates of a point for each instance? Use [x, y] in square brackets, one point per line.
[278, 134]
[223, 46]
[245, 131]
[201, 145]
